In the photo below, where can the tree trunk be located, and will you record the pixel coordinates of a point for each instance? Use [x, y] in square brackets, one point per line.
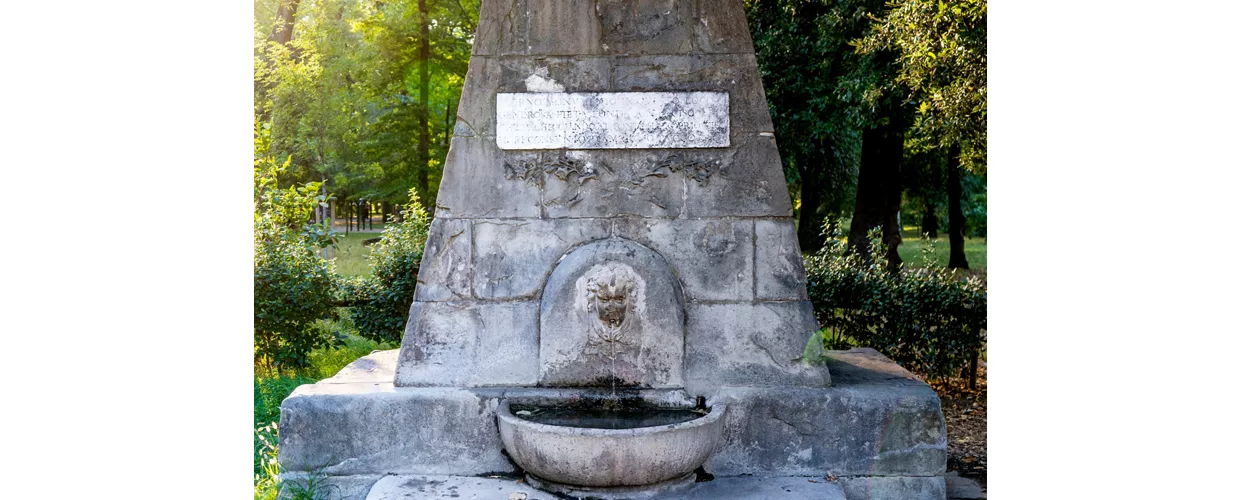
[878, 190]
[424, 128]
[281, 33]
[955, 214]
[809, 222]
[929, 220]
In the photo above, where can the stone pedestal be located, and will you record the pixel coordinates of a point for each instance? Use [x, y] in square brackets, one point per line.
[878, 429]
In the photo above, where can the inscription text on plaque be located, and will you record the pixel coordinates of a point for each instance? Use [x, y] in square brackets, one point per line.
[612, 120]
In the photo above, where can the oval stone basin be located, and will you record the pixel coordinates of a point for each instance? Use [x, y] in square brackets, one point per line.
[597, 448]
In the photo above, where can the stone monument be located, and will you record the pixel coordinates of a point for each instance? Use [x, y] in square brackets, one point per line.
[613, 224]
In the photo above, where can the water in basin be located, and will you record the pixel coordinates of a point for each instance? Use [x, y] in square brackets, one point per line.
[603, 418]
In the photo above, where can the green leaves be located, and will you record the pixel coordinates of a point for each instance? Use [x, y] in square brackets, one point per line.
[384, 297]
[942, 60]
[927, 320]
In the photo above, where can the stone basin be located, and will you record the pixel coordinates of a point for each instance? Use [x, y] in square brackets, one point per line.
[587, 458]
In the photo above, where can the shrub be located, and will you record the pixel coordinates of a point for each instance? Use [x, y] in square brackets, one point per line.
[926, 319]
[381, 301]
[293, 285]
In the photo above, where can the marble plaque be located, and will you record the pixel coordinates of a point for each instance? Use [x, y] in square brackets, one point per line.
[612, 120]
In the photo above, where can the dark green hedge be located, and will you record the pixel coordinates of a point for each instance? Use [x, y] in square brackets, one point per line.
[927, 319]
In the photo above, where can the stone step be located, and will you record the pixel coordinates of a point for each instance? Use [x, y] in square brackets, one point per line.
[500, 488]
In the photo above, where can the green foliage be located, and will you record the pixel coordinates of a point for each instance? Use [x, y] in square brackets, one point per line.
[343, 96]
[926, 319]
[270, 391]
[804, 55]
[293, 285]
[942, 54]
[382, 300]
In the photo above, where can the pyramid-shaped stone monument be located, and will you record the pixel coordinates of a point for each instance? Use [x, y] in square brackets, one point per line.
[614, 228]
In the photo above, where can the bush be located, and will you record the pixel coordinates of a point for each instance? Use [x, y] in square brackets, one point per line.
[293, 285]
[381, 301]
[926, 319]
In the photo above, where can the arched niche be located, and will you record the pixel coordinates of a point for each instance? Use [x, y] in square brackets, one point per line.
[612, 312]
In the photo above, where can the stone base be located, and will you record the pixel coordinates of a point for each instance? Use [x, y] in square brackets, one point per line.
[877, 428]
[657, 490]
[733, 488]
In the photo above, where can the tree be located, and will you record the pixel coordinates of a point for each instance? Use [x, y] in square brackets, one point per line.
[352, 94]
[838, 120]
[803, 52]
[941, 45]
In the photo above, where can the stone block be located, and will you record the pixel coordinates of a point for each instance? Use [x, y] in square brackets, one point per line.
[502, 28]
[750, 183]
[778, 262]
[846, 431]
[500, 488]
[341, 487]
[475, 184]
[736, 74]
[488, 75]
[876, 421]
[444, 272]
[894, 488]
[721, 27]
[469, 344]
[612, 312]
[610, 183]
[411, 487]
[512, 258]
[557, 27]
[750, 344]
[646, 26]
[368, 429]
[713, 257]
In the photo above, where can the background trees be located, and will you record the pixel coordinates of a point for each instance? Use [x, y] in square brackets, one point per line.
[362, 94]
[887, 97]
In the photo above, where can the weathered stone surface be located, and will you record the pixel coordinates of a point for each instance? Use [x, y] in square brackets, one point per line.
[612, 311]
[876, 420]
[469, 344]
[341, 487]
[614, 183]
[488, 76]
[476, 169]
[512, 258]
[611, 120]
[646, 26]
[736, 74]
[721, 27]
[713, 257]
[747, 185]
[863, 431]
[502, 28]
[563, 28]
[962, 488]
[502, 488]
[750, 344]
[894, 488]
[587, 457]
[360, 429]
[444, 272]
[778, 263]
[409, 487]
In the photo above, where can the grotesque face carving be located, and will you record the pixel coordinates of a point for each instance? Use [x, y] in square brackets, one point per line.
[610, 295]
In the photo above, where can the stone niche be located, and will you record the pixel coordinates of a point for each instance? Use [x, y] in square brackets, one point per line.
[612, 312]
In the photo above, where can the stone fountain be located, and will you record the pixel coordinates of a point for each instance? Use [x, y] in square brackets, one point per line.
[611, 301]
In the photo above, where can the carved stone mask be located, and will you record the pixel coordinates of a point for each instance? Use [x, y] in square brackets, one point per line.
[610, 297]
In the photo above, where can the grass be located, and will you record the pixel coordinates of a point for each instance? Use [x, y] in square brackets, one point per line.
[270, 389]
[974, 251]
[351, 254]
